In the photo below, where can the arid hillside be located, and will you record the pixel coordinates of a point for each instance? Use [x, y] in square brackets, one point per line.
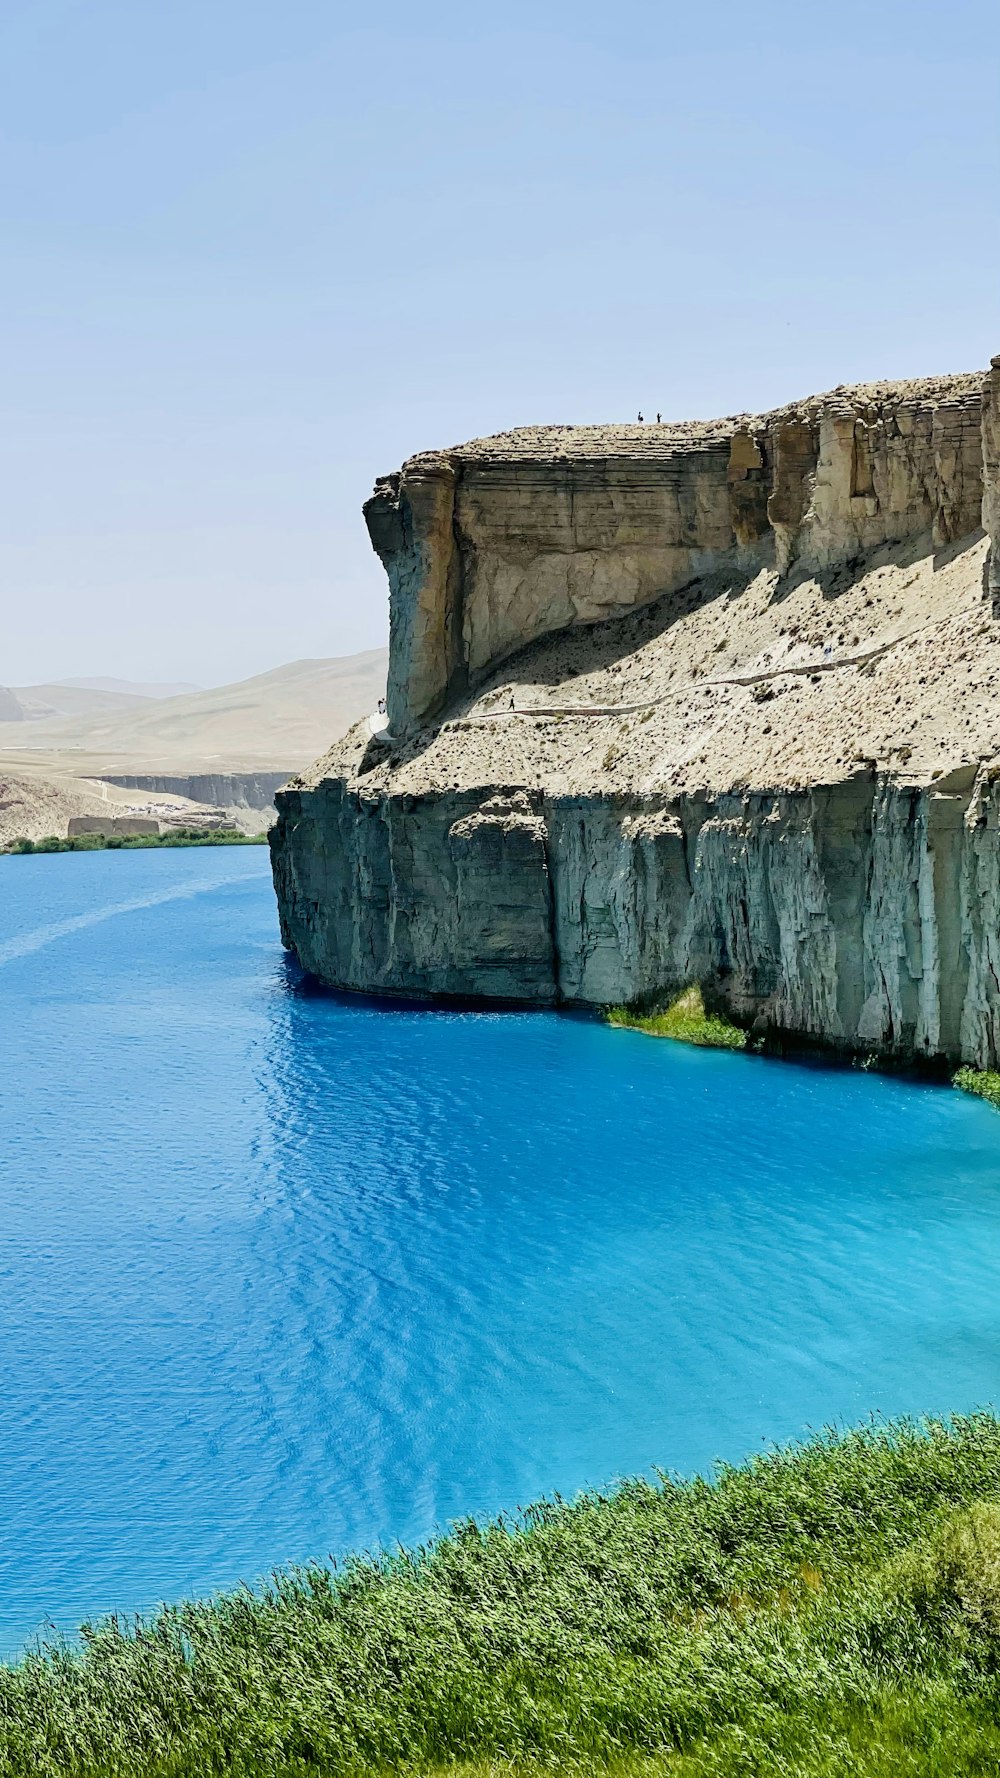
[893, 664]
[226, 747]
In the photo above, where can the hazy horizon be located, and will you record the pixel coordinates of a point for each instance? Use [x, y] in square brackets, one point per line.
[167, 688]
[251, 261]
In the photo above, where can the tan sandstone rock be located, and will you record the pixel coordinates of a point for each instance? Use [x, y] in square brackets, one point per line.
[756, 694]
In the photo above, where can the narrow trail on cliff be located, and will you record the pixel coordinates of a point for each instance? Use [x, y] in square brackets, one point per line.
[798, 669]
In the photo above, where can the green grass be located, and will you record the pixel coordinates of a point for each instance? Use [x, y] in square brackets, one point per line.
[925, 1732]
[685, 1019]
[984, 1082]
[830, 1609]
[175, 836]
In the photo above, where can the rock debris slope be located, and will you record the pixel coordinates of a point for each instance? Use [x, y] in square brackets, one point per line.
[714, 703]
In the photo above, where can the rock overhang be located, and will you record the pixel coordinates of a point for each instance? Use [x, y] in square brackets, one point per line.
[492, 544]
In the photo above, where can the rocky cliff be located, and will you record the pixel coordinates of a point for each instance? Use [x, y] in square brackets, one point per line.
[714, 703]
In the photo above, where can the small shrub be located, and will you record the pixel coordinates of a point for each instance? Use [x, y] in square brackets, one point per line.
[968, 1558]
[685, 1019]
[984, 1082]
[957, 1572]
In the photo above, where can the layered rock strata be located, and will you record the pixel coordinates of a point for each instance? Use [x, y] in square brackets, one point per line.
[506, 539]
[756, 710]
[227, 790]
[863, 915]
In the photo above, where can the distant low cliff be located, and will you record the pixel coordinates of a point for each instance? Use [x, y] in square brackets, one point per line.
[228, 790]
[714, 703]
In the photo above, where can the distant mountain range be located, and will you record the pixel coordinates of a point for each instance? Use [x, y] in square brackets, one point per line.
[277, 721]
[63, 744]
[131, 688]
[79, 697]
[34, 703]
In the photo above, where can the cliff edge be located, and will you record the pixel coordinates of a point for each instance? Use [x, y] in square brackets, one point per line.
[709, 702]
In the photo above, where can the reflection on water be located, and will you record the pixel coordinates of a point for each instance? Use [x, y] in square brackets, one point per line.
[285, 1274]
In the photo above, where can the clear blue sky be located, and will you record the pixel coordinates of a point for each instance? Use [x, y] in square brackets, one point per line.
[255, 252]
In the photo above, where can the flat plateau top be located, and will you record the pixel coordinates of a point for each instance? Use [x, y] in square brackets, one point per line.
[551, 444]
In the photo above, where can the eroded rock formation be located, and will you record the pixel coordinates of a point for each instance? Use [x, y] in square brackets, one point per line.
[756, 709]
[506, 539]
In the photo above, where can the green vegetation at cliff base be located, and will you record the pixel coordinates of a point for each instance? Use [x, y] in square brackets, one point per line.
[831, 1609]
[685, 1019]
[984, 1082]
[174, 836]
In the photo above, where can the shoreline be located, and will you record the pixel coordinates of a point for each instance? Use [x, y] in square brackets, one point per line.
[826, 1598]
[96, 842]
[685, 1020]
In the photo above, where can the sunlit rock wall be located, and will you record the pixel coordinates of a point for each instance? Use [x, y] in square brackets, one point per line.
[991, 478]
[489, 546]
[862, 915]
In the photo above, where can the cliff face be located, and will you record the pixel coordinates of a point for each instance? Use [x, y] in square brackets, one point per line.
[991, 477]
[226, 790]
[752, 732]
[501, 541]
[863, 915]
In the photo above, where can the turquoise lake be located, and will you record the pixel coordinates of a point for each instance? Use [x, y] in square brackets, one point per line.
[284, 1274]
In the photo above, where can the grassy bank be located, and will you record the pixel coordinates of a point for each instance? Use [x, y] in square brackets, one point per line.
[175, 836]
[833, 1609]
[981, 1081]
[685, 1019]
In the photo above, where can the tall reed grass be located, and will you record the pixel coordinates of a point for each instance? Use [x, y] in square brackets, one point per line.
[837, 1602]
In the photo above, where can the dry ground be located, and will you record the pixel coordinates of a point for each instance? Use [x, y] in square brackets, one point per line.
[50, 769]
[895, 662]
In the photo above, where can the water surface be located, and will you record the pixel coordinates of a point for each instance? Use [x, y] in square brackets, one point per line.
[283, 1274]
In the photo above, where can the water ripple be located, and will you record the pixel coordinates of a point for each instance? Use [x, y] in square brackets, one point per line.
[283, 1275]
